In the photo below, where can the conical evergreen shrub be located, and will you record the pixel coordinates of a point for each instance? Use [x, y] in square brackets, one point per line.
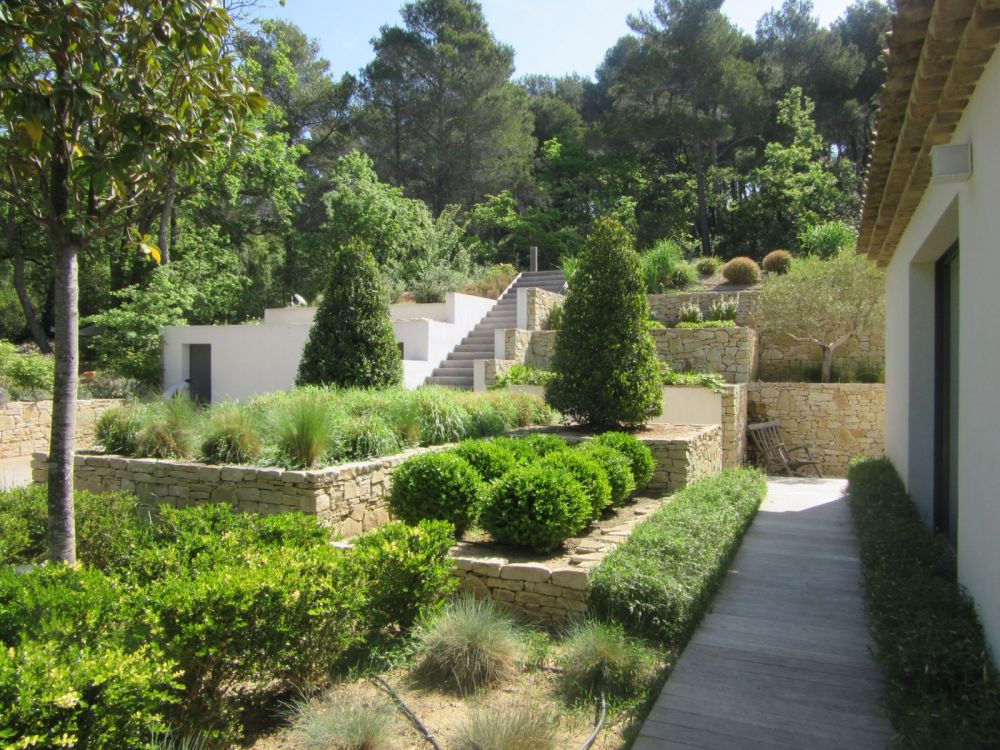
[606, 372]
[351, 343]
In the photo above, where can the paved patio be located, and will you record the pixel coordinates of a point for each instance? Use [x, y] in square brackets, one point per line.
[782, 659]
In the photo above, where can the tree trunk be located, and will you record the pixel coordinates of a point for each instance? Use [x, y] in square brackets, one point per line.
[62, 532]
[827, 371]
[166, 215]
[21, 286]
[699, 169]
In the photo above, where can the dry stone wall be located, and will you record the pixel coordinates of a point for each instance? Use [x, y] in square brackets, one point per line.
[666, 308]
[694, 453]
[783, 358]
[25, 425]
[539, 307]
[840, 421]
[731, 352]
[734, 425]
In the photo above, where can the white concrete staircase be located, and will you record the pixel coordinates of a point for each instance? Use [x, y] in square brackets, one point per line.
[456, 370]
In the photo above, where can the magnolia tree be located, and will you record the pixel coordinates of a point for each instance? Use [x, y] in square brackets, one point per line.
[102, 103]
[823, 302]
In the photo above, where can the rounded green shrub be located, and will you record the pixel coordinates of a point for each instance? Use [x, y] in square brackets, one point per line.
[367, 436]
[606, 371]
[708, 265]
[491, 458]
[615, 465]
[351, 342]
[537, 507]
[741, 270]
[231, 438]
[588, 472]
[118, 430]
[436, 486]
[639, 456]
[777, 261]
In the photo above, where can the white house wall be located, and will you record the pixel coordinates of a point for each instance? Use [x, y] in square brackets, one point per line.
[969, 212]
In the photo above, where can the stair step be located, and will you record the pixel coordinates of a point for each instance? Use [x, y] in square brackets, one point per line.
[454, 364]
[465, 356]
[464, 384]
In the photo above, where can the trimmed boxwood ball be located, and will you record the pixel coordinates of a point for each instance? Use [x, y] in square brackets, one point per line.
[491, 458]
[741, 270]
[588, 472]
[615, 465]
[537, 507]
[533, 447]
[436, 486]
[639, 456]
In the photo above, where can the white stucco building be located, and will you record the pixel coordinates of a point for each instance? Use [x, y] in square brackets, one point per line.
[932, 217]
[237, 361]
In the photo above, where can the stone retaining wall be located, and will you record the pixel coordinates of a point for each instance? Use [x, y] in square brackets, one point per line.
[696, 452]
[840, 421]
[25, 425]
[666, 308]
[534, 312]
[782, 358]
[734, 425]
[731, 352]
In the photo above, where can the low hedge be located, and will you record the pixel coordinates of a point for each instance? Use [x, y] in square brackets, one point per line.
[659, 582]
[942, 684]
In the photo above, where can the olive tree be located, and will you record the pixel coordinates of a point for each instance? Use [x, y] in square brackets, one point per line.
[823, 302]
[101, 101]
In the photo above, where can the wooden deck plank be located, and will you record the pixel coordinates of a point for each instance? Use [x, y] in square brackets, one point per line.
[783, 658]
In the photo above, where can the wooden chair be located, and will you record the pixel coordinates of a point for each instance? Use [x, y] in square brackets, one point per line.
[775, 454]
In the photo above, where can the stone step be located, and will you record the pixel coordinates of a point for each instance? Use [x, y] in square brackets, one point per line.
[465, 365]
[464, 384]
[466, 356]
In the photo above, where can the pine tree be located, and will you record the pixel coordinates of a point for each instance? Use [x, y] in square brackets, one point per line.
[352, 343]
[606, 371]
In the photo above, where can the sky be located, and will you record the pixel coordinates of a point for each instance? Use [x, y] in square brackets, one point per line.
[548, 36]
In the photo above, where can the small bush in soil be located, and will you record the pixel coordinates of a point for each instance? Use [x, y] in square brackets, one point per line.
[682, 276]
[615, 465]
[231, 438]
[344, 724]
[599, 658]
[536, 506]
[470, 644]
[777, 261]
[509, 727]
[118, 430]
[491, 458]
[436, 486]
[588, 472]
[689, 313]
[708, 265]
[639, 456]
[741, 270]
[723, 309]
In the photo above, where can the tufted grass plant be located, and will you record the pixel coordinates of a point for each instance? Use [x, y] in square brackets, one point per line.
[600, 658]
[367, 436]
[231, 437]
[471, 644]
[169, 428]
[305, 428]
[508, 727]
[345, 724]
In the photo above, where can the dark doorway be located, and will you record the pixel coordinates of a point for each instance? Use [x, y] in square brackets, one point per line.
[200, 385]
[946, 415]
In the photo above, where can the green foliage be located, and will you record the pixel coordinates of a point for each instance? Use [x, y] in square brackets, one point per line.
[508, 727]
[490, 458]
[492, 281]
[231, 437]
[659, 582]
[663, 268]
[25, 375]
[639, 456]
[470, 645]
[434, 282]
[942, 683]
[588, 472]
[707, 324]
[690, 312]
[598, 658]
[724, 308]
[741, 270]
[351, 343]
[304, 428]
[118, 429]
[347, 723]
[708, 265]
[537, 445]
[655, 325]
[518, 374]
[616, 466]
[605, 361]
[827, 239]
[711, 380]
[168, 429]
[777, 261]
[436, 486]
[367, 436]
[536, 507]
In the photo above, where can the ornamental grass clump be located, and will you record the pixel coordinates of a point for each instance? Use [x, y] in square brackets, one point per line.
[510, 727]
[606, 371]
[741, 270]
[600, 658]
[305, 428]
[118, 430]
[471, 644]
[777, 261]
[168, 429]
[708, 265]
[344, 724]
[436, 486]
[689, 313]
[639, 456]
[367, 436]
[536, 507]
[724, 309]
[231, 437]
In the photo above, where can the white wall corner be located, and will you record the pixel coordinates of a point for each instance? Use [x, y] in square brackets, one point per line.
[522, 308]
[500, 343]
[479, 375]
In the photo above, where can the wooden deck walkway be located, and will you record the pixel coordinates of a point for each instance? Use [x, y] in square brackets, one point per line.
[782, 659]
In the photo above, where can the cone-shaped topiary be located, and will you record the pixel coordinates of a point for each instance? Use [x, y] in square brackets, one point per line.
[351, 343]
[606, 373]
